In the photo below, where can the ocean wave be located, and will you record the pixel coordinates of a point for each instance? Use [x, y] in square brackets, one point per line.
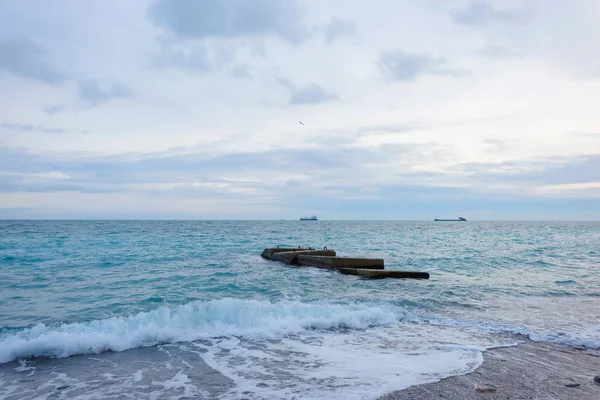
[193, 321]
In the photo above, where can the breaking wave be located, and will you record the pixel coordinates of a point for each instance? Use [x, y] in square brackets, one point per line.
[192, 321]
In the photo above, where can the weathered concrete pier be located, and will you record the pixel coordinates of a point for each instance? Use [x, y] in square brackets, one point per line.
[268, 252]
[291, 257]
[371, 268]
[378, 274]
[340, 262]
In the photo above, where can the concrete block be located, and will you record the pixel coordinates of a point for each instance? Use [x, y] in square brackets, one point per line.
[291, 257]
[340, 262]
[380, 274]
[268, 253]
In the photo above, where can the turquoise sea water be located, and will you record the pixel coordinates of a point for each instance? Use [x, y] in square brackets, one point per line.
[189, 309]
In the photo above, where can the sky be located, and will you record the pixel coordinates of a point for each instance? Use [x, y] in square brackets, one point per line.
[409, 109]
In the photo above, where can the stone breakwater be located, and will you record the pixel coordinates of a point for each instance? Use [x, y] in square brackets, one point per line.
[370, 268]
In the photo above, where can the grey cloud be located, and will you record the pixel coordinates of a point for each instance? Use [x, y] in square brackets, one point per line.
[482, 13]
[55, 130]
[547, 171]
[203, 58]
[10, 127]
[94, 93]
[339, 28]
[580, 169]
[330, 140]
[514, 178]
[40, 184]
[230, 18]
[59, 131]
[219, 35]
[242, 71]
[55, 109]
[496, 145]
[25, 171]
[27, 59]
[397, 65]
[325, 177]
[198, 57]
[17, 127]
[311, 94]
[422, 175]
[286, 83]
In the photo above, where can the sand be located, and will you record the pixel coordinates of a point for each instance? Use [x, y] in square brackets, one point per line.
[531, 370]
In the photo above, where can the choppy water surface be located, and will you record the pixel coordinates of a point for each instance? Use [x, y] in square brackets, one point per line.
[188, 309]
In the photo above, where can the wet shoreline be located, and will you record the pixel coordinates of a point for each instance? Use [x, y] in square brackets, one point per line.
[531, 370]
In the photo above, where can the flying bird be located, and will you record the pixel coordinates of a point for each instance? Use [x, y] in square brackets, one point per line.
[301, 123]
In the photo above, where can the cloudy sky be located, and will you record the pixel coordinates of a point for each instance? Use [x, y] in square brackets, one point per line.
[411, 109]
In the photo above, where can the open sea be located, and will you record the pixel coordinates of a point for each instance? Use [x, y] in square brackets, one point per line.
[189, 309]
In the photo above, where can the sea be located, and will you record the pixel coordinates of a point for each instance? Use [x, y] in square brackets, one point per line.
[189, 309]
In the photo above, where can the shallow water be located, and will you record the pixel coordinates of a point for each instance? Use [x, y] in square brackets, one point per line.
[176, 309]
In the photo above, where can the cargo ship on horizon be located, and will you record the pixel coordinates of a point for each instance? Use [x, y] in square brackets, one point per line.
[460, 219]
[313, 218]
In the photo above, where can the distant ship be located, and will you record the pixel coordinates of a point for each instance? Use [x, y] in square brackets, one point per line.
[459, 219]
[313, 218]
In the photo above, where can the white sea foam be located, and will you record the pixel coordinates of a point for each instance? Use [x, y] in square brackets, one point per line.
[196, 320]
[588, 336]
[350, 365]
